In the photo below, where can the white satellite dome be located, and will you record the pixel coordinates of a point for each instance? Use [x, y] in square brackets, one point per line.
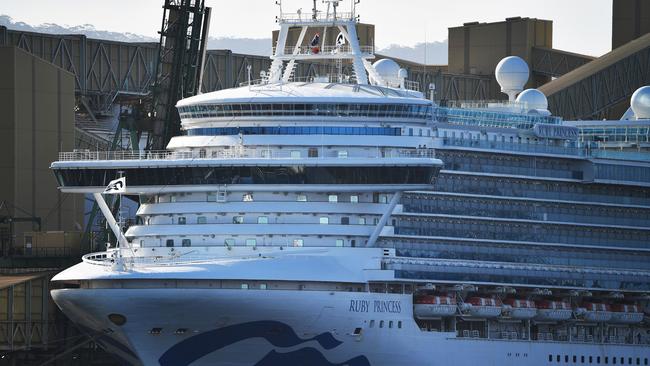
[533, 98]
[640, 103]
[388, 70]
[512, 74]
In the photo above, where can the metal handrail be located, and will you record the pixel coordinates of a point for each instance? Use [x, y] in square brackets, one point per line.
[236, 152]
[320, 17]
[309, 50]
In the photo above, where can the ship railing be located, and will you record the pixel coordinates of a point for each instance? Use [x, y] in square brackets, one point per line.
[320, 17]
[515, 146]
[330, 78]
[505, 105]
[236, 152]
[321, 50]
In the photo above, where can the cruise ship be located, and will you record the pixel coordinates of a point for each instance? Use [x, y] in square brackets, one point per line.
[351, 220]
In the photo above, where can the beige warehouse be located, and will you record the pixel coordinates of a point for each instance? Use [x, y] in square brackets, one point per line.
[37, 101]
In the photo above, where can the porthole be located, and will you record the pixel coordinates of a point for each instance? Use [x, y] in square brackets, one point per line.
[117, 319]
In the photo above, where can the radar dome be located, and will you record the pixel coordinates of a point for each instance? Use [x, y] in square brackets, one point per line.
[533, 98]
[512, 74]
[388, 70]
[640, 103]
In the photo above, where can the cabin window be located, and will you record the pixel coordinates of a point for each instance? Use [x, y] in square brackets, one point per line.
[263, 220]
[262, 286]
[248, 197]
[550, 358]
[182, 220]
[381, 324]
[238, 220]
[229, 242]
[372, 324]
[301, 198]
[295, 154]
[172, 199]
[354, 199]
[201, 220]
[362, 220]
[345, 220]
[186, 243]
[342, 154]
[251, 242]
[390, 324]
[399, 324]
[324, 220]
[212, 197]
[332, 198]
[170, 243]
[312, 152]
[244, 286]
[339, 242]
[298, 242]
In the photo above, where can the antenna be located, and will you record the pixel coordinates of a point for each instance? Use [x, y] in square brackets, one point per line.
[314, 10]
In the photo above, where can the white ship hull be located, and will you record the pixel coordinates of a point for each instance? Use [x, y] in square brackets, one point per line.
[273, 327]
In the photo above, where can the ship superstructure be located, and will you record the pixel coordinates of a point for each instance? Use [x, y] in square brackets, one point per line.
[347, 219]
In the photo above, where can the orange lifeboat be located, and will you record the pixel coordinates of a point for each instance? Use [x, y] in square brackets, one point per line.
[626, 314]
[553, 310]
[520, 309]
[483, 307]
[434, 306]
[596, 312]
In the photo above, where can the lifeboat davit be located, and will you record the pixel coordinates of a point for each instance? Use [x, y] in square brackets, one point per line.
[434, 306]
[596, 312]
[520, 309]
[483, 307]
[626, 314]
[553, 310]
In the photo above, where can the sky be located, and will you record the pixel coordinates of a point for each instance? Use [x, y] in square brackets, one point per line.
[581, 26]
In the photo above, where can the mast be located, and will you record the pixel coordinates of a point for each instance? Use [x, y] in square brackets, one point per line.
[303, 50]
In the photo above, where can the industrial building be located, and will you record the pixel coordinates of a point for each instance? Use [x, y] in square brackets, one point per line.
[37, 100]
